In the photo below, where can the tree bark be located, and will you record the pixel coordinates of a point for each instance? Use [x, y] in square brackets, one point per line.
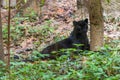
[82, 6]
[96, 24]
[1, 38]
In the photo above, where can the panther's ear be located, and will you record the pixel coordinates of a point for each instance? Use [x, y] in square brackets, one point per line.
[74, 23]
[86, 20]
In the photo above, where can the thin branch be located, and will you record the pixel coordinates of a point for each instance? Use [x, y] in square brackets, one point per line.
[8, 45]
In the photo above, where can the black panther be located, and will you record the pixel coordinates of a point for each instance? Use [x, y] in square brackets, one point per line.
[77, 36]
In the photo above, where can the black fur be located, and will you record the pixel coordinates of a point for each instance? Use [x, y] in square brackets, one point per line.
[77, 36]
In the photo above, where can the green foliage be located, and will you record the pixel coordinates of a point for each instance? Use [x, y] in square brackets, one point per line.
[58, 38]
[16, 33]
[20, 32]
[108, 1]
[3, 70]
[42, 2]
[25, 1]
[32, 15]
[85, 65]
[37, 55]
[46, 29]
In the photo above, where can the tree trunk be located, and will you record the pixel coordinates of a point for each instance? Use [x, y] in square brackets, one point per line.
[82, 6]
[1, 39]
[96, 24]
